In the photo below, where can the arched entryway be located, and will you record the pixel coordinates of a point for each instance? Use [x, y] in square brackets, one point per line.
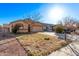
[20, 26]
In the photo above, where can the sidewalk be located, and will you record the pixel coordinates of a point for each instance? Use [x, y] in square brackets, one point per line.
[67, 51]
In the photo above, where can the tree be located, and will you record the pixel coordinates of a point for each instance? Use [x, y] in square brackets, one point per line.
[34, 16]
[68, 20]
[69, 23]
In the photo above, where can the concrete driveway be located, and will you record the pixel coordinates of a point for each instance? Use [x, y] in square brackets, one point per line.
[11, 47]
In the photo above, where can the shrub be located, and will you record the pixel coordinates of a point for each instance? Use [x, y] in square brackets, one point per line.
[15, 29]
[59, 29]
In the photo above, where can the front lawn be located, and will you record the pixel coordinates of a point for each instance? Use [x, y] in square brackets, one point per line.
[40, 44]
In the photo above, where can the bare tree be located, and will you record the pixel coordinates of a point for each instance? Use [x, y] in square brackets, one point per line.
[34, 16]
[69, 23]
[68, 20]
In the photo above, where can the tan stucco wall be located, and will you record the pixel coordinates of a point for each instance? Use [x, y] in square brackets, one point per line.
[23, 31]
[35, 27]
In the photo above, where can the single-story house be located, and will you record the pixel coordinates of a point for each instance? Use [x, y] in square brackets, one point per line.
[28, 25]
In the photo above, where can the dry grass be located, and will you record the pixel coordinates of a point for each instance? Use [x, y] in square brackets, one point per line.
[40, 44]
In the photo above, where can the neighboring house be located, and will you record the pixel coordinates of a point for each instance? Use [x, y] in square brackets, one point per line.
[0, 28]
[29, 25]
[5, 28]
[48, 27]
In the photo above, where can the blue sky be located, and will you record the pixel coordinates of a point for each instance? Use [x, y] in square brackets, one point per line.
[51, 13]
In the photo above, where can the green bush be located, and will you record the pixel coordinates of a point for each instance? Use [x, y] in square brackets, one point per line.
[15, 29]
[59, 29]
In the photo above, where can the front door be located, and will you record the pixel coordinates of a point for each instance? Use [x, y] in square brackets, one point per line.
[29, 28]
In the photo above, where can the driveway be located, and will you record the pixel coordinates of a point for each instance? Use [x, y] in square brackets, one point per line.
[11, 47]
